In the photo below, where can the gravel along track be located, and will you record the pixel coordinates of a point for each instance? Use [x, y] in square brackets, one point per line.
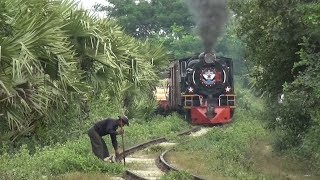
[201, 132]
[144, 161]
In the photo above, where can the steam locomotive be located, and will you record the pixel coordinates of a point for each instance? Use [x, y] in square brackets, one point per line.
[202, 88]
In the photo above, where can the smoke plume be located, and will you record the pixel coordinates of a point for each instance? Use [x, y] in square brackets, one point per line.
[210, 16]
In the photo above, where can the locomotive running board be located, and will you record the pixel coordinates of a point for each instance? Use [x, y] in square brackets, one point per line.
[199, 115]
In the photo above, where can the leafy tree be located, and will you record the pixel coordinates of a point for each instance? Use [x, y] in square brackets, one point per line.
[179, 43]
[145, 18]
[282, 47]
[271, 32]
[37, 67]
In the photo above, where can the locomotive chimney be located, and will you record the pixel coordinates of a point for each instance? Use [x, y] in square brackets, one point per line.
[208, 58]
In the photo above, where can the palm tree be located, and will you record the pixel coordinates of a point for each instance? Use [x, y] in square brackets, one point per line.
[52, 53]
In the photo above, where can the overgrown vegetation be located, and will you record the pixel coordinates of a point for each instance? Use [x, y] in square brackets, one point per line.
[283, 51]
[62, 69]
[51, 161]
[55, 57]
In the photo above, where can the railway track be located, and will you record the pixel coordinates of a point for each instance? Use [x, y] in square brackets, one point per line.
[168, 167]
[152, 166]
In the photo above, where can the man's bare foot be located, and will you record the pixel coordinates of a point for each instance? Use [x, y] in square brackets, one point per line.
[108, 159]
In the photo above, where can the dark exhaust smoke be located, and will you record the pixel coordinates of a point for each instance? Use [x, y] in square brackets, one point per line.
[210, 16]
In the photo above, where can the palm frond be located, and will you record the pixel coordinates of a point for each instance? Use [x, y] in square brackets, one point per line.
[54, 52]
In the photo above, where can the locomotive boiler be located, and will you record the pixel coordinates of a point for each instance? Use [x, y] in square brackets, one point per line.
[202, 87]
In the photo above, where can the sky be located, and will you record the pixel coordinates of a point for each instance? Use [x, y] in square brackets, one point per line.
[88, 4]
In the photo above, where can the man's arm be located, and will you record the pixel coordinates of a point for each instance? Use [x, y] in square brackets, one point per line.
[114, 141]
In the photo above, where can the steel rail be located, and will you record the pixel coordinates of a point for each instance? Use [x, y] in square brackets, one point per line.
[129, 175]
[164, 165]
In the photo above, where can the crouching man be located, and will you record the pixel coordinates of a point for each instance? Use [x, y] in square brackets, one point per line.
[102, 128]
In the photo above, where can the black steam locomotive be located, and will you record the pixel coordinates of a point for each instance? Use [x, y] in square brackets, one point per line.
[202, 87]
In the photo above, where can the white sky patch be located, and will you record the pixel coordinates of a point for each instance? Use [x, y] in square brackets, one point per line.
[89, 5]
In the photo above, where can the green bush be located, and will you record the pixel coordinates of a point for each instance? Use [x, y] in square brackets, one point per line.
[310, 147]
[285, 60]
[292, 121]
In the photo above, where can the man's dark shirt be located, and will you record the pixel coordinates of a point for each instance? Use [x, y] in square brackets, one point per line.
[108, 126]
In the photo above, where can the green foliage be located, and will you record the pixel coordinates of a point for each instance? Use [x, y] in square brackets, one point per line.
[271, 33]
[303, 146]
[71, 125]
[5, 28]
[187, 45]
[282, 48]
[168, 22]
[69, 157]
[311, 146]
[299, 119]
[147, 18]
[143, 106]
[54, 55]
[38, 71]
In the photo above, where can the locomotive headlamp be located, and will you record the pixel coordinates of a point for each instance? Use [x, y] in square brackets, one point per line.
[209, 58]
